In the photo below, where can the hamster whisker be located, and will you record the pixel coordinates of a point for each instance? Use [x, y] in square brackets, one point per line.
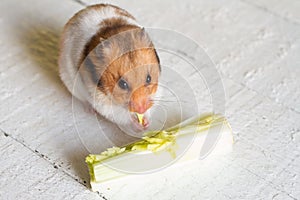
[168, 101]
[161, 100]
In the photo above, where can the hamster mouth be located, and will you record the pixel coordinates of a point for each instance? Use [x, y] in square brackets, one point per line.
[140, 121]
[140, 118]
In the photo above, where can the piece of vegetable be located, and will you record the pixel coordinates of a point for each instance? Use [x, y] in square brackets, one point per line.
[140, 118]
[156, 149]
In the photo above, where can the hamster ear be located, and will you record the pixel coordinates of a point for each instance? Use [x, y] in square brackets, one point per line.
[143, 37]
[108, 49]
[104, 45]
[143, 33]
[101, 39]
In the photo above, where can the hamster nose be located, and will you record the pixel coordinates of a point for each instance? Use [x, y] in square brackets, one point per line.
[139, 101]
[139, 107]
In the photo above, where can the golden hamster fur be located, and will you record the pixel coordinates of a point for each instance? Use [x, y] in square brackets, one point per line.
[109, 63]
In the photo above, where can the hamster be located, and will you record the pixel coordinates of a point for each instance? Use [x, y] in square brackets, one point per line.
[109, 63]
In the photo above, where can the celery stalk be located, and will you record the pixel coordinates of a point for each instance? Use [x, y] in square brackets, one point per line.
[140, 118]
[156, 148]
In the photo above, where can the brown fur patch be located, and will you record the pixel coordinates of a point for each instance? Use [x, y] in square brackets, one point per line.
[111, 27]
[134, 68]
[122, 50]
[97, 57]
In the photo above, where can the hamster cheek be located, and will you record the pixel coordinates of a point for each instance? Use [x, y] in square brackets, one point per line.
[120, 97]
[153, 88]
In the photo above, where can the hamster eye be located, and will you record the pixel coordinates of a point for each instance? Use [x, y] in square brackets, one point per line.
[148, 79]
[123, 84]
